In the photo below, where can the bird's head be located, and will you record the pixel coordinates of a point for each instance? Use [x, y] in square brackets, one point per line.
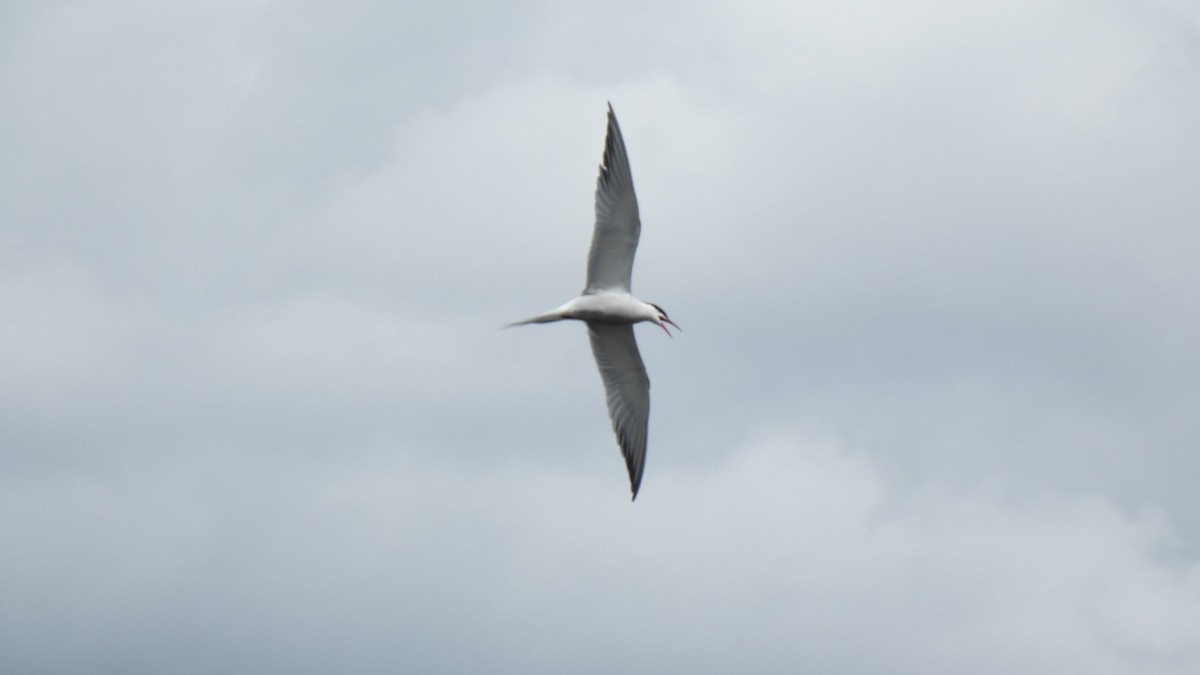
[661, 320]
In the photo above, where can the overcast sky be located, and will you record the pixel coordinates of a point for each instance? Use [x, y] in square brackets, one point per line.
[934, 408]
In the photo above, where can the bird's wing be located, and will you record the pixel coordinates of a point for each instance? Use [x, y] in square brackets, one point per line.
[627, 389]
[615, 239]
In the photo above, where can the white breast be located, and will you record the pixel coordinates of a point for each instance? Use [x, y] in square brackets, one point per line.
[611, 307]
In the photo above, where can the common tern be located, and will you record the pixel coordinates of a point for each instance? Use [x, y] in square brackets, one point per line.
[610, 310]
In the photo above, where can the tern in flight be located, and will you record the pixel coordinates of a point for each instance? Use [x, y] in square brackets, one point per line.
[610, 310]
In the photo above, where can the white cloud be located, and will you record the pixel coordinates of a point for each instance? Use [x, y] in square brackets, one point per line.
[257, 409]
[794, 555]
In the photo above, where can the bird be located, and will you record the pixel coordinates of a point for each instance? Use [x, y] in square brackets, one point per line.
[609, 308]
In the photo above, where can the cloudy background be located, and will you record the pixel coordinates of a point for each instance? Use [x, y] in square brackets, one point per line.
[934, 408]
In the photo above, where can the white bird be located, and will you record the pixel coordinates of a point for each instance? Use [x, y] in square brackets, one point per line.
[609, 308]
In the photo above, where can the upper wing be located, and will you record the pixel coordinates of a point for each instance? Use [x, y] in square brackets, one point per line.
[615, 239]
[627, 389]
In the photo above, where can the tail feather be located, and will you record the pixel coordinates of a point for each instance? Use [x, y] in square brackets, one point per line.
[548, 317]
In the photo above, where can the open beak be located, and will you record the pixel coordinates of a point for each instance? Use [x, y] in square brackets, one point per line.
[665, 320]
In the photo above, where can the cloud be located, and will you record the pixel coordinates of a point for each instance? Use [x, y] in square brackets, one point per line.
[795, 554]
[256, 410]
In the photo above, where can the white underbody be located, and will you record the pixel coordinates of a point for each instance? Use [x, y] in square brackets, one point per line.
[613, 307]
[609, 307]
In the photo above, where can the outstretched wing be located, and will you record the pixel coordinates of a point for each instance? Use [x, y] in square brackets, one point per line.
[627, 388]
[615, 238]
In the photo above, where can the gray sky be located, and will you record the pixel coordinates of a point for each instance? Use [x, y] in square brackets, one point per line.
[933, 410]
